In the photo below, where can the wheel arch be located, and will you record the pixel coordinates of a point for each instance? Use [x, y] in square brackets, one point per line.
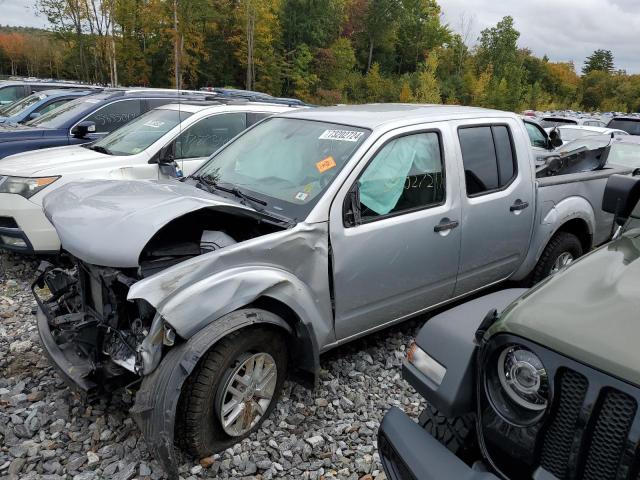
[155, 407]
[580, 228]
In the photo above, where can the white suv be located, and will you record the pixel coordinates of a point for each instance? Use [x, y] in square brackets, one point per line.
[166, 142]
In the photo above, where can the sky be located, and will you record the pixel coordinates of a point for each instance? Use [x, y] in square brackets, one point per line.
[564, 30]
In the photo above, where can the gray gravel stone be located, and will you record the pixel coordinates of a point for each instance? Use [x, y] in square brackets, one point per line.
[48, 433]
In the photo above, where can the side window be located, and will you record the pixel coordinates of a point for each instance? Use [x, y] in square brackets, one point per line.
[209, 134]
[11, 94]
[157, 102]
[536, 137]
[115, 115]
[255, 117]
[52, 105]
[488, 158]
[406, 174]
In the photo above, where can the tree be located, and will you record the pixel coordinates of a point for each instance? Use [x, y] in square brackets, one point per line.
[419, 31]
[600, 60]
[428, 89]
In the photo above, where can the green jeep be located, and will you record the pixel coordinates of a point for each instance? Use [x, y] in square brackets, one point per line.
[545, 386]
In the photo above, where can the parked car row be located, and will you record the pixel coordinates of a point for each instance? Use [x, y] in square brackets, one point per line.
[206, 246]
[308, 229]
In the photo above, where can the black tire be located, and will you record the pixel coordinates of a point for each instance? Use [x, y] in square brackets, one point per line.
[458, 434]
[198, 429]
[561, 242]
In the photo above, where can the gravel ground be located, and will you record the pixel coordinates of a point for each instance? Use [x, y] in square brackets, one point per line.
[47, 433]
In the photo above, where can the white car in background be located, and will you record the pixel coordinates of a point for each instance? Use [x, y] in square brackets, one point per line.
[167, 142]
[569, 133]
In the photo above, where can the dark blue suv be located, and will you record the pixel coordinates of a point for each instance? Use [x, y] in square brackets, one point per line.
[84, 119]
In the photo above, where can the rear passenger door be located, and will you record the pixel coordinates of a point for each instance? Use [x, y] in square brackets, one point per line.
[497, 203]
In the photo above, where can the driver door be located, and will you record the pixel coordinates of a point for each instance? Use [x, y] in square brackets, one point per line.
[396, 240]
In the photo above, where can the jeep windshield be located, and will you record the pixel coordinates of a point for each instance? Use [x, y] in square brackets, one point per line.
[285, 163]
[140, 133]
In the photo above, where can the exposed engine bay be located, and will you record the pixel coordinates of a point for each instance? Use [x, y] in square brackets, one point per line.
[110, 341]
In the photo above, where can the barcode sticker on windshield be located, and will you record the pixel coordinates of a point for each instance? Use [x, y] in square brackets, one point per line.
[342, 135]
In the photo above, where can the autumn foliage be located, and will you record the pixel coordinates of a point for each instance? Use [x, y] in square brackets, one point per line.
[329, 51]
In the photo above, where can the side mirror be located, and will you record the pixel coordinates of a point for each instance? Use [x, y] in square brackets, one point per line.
[555, 139]
[34, 115]
[166, 155]
[621, 196]
[351, 207]
[82, 129]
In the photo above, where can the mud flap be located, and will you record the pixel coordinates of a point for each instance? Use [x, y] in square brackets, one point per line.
[155, 408]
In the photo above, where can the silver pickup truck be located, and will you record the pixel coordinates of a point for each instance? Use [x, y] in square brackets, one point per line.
[308, 230]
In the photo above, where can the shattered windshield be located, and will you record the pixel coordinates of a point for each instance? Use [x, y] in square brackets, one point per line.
[287, 162]
[139, 134]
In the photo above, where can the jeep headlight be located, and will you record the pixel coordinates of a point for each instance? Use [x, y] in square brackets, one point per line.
[25, 186]
[518, 385]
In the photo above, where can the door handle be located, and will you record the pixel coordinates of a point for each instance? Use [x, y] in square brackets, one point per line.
[445, 224]
[518, 205]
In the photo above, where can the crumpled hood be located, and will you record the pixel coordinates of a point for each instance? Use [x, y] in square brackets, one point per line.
[109, 222]
[49, 161]
[588, 312]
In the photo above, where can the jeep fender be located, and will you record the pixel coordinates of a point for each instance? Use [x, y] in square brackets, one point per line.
[157, 399]
[449, 338]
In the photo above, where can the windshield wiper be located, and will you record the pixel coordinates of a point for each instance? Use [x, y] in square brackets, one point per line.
[240, 194]
[99, 149]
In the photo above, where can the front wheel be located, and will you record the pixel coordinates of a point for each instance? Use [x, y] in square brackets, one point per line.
[562, 250]
[232, 390]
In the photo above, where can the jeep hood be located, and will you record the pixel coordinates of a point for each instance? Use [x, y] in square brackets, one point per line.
[109, 222]
[588, 312]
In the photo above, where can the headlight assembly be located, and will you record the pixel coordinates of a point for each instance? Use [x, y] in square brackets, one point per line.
[518, 385]
[25, 186]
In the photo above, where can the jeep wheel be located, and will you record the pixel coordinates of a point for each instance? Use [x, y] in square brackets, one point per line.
[562, 250]
[457, 434]
[232, 390]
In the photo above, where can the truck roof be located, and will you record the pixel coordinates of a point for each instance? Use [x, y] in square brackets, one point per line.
[377, 114]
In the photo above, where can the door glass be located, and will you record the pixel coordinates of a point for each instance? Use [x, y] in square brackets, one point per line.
[114, 115]
[10, 94]
[504, 152]
[209, 134]
[536, 137]
[255, 117]
[406, 174]
[488, 158]
[52, 105]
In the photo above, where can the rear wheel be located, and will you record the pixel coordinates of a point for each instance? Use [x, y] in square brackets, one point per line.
[562, 250]
[458, 434]
[232, 390]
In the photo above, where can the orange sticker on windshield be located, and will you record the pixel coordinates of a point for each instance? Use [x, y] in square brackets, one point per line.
[326, 164]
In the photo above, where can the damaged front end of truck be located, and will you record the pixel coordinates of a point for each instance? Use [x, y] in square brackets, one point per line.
[99, 340]
[139, 306]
